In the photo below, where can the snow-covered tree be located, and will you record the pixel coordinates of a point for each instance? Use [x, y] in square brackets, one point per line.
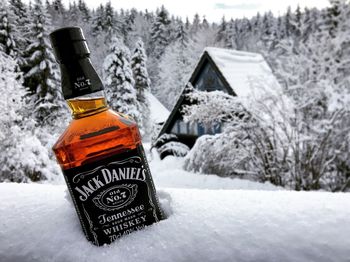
[181, 34]
[23, 157]
[268, 33]
[120, 90]
[109, 21]
[205, 23]
[98, 24]
[84, 11]
[196, 25]
[127, 26]
[19, 9]
[230, 40]
[160, 33]
[142, 83]
[175, 67]
[139, 68]
[41, 74]
[7, 38]
[222, 30]
[73, 13]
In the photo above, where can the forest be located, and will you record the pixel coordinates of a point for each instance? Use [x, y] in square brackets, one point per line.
[308, 50]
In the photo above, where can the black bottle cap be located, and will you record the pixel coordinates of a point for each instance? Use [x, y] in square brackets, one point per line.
[69, 44]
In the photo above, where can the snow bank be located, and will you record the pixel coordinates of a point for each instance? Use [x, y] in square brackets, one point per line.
[169, 173]
[39, 224]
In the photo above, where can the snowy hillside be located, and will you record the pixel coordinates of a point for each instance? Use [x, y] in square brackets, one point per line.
[202, 225]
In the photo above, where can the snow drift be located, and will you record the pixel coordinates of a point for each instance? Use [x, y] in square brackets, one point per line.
[39, 224]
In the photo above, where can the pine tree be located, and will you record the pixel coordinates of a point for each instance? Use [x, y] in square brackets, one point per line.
[57, 12]
[243, 34]
[73, 13]
[187, 24]
[332, 16]
[7, 41]
[20, 11]
[281, 28]
[268, 33]
[309, 24]
[41, 75]
[98, 24]
[196, 25]
[160, 33]
[296, 23]
[120, 90]
[84, 11]
[149, 16]
[288, 22]
[58, 7]
[205, 24]
[109, 20]
[139, 68]
[256, 23]
[21, 30]
[127, 26]
[180, 34]
[142, 83]
[221, 33]
[230, 38]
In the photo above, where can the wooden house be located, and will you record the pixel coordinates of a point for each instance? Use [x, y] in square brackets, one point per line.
[221, 69]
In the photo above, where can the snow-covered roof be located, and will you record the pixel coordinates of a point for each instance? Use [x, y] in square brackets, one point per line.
[159, 113]
[241, 69]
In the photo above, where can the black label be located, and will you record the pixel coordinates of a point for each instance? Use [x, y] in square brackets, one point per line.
[114, 196]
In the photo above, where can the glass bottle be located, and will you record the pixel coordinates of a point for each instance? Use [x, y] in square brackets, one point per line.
[100, 152]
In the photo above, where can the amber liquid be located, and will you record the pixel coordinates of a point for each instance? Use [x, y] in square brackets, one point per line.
[94, 133]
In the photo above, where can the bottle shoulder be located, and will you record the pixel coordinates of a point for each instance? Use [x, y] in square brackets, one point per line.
[95, 135]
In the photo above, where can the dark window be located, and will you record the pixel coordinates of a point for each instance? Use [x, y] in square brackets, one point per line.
[208, 80]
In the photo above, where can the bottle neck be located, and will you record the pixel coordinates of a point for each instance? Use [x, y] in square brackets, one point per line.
[79, 78]
[87, 105]
[82, 87]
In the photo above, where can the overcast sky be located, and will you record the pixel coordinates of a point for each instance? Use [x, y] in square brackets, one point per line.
[212, 9]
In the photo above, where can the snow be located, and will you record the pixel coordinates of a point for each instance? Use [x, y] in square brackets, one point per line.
[159, 113]
[209, 218]
[241, 68]
[202, 225]
[169, 173]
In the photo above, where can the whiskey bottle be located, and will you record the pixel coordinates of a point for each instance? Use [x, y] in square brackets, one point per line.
[100, 153]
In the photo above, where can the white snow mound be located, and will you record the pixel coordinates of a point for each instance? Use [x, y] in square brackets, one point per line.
[39, 224]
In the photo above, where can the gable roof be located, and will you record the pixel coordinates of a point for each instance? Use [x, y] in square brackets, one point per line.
[237, 70]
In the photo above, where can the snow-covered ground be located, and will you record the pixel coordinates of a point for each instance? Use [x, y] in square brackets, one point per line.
[169, 173]
[245, 222]
[39, 224]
